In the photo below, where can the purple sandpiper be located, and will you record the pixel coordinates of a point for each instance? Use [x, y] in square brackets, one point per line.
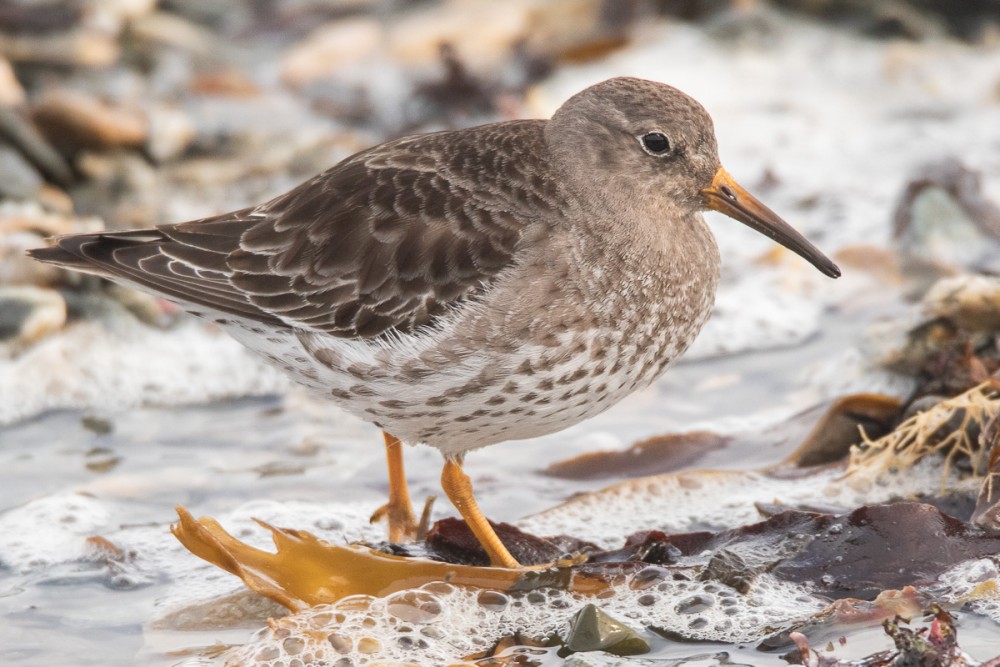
[464, 288]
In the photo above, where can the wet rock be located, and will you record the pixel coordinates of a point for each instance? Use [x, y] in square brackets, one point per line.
[73, 120]
[889, 18]
[101, 460]
[729, 568]
[159, 29]
[23, 136]
[652, 456]
[27, 314]
[593, 630]
[137, 185]
[943, 222]
[24, 226]
[148, 309]
[18, 178]
[329, 49]
[24, 18]
[78, 47]
[171, 132]
[97, 424]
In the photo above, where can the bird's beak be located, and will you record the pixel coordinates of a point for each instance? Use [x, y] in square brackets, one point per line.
[726, 196]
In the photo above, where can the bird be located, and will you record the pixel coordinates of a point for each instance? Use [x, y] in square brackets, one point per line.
[469, 287]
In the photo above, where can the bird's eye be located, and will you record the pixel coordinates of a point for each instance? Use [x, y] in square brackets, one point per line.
[655, 143]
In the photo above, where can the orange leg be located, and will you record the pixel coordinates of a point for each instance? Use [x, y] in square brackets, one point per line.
[458, 488]
[403, 526]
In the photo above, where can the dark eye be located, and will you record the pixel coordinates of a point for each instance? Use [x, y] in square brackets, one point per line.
[656, 143]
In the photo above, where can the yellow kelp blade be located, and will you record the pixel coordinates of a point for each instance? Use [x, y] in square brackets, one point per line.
[306, 571]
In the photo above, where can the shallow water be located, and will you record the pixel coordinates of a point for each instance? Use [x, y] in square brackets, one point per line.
[214, 458]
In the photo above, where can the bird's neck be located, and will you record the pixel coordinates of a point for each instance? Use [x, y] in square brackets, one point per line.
[659, 261]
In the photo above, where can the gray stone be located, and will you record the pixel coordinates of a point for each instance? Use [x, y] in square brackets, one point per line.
[30, 313]
[593, 630]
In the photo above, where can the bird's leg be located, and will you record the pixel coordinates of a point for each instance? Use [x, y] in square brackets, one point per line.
[403, 525]
[458, 488]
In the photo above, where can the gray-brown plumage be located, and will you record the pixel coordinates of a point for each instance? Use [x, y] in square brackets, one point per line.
[469, 287]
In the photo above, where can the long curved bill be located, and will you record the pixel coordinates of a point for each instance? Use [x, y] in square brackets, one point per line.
[726, 196]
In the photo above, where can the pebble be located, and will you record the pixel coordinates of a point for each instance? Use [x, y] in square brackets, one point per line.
[11, 91]
[164, 29]
[80, 47]
[594, 630]
[26, 225]
[18, 178]
[28, 314]
[943, 222]
[171, 132]
[137, 186]
[24, 136]
[73, 120]
[330, 48]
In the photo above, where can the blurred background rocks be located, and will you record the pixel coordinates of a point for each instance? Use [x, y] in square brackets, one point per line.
[119, 114]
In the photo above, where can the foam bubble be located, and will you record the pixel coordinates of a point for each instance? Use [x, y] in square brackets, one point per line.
[118, 362]
[717, 500]
[50, 530]
[440, 624]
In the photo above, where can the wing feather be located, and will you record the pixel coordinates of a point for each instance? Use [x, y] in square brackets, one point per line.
[387, 239]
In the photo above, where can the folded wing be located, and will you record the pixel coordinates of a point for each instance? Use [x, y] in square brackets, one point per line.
[388, 239]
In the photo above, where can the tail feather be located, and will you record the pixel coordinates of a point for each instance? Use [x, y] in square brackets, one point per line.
[152, 261]
[62, 257]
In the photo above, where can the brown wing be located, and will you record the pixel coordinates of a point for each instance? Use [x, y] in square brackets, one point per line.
[387, 239]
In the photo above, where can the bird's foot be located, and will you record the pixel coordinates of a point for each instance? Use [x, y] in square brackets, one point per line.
[403, 524]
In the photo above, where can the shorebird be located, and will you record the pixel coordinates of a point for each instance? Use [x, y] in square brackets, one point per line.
[469, 287]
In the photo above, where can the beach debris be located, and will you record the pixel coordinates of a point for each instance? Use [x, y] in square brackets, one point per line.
[846, 614]
[987, 510]
[950, 344]
[950, 428]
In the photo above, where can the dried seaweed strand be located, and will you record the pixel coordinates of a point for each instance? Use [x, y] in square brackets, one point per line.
[931, 432]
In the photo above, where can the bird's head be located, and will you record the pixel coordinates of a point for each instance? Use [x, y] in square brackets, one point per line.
[648, 143]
